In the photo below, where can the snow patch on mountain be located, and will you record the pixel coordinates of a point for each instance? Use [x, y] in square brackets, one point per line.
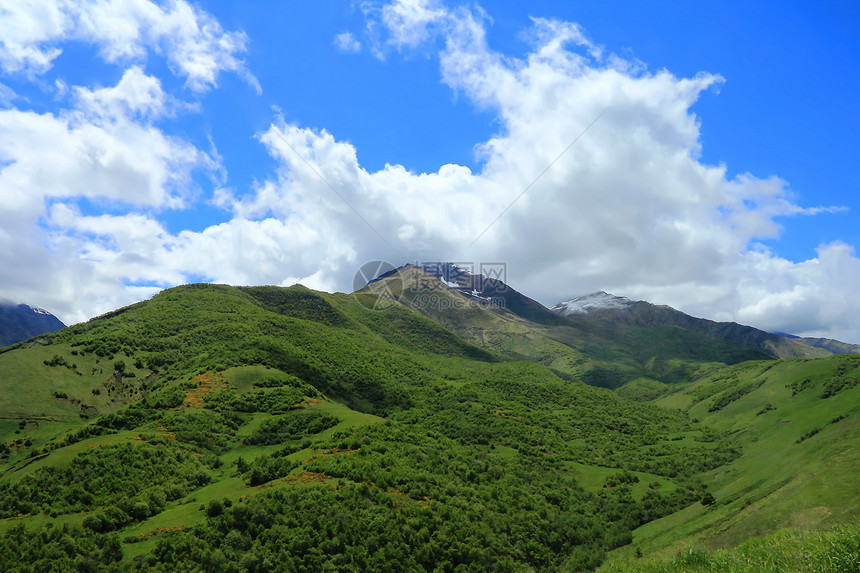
[595, 301]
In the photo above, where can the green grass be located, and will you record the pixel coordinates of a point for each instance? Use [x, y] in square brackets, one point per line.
[777, 482]
[43, 383]
[835, 550]
[643, 390]
[593, 478]
[505, 451]
[243, 377]
[63, 456]
[186, 512]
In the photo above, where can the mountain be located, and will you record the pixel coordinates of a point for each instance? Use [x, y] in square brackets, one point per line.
[602, 339]
[607, 353]
[246, 427]
[416, 424]
[833, 346]
[601, 308]
[19, 322]
[591, 302]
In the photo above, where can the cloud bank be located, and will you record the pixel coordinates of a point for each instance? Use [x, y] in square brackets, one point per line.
[594, 180]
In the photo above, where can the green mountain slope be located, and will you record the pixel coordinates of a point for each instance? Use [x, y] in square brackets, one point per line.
[600, 351]
[261, 428]
[797, 423]
[221, 428]
[834, 550]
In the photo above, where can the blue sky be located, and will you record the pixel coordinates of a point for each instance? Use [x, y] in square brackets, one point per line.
[152, 144]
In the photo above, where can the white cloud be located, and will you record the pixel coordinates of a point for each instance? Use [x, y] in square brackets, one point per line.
[346, 42]
[194, 43]
[135, 94]
[409, 21]
[104, 152]
[70, 155]
[26, 26]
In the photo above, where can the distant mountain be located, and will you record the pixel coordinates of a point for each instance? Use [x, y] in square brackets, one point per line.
[601, 308]
[834, 346]
[595, 301]
[492, 314]
[601, 339]
[19, 322]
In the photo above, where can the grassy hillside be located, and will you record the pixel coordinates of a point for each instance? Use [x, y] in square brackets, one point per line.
[797, 423]
[830, 551]
[250, 429]
[212, 427]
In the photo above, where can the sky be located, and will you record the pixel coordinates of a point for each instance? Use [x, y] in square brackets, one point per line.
[700, 155]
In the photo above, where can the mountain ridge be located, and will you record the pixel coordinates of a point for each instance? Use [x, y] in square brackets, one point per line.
[599, 338]
[20, 322]
[603, 305]
[491, 314]
[618, 310]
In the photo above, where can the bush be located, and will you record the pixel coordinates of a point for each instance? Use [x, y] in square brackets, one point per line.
[215, 508]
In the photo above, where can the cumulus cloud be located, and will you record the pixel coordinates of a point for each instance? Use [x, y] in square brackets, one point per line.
[193, 41]
[135, 94]
[81, 152]
[102, 151]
